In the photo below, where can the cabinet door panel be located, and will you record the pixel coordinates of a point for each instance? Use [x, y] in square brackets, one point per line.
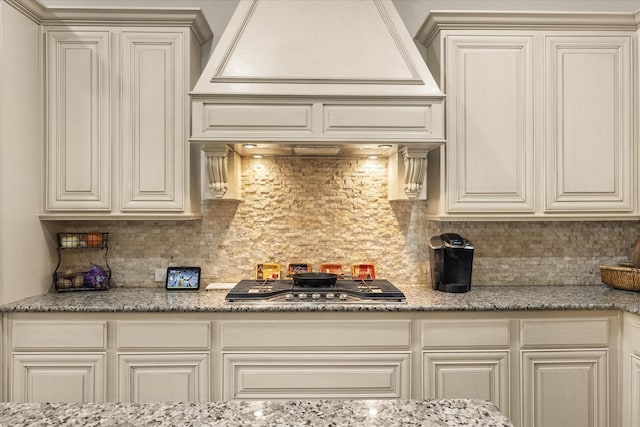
[153, 135]
[564, 388]
[467, 375]
[50, 377]
[78, 145]
[589, 92]
[490, 128]
[316, 376]
[182, 377]
[635, 392]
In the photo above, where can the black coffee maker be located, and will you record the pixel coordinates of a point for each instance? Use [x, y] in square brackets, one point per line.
[451, 258]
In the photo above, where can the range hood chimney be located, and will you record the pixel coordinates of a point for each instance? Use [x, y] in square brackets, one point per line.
[290, 73]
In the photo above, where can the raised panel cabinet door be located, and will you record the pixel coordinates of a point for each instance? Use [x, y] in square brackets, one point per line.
[589, 93]
[635, 392]
[154, 99]
[490, 105]
[167, 377]
[55, 377]
[77, 117]
[467, 375]
[564, 388]
[316, 376]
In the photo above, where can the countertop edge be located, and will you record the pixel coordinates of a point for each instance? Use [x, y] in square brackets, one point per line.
[489, 298]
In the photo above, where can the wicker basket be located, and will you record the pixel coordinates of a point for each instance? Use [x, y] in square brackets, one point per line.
[621, 277]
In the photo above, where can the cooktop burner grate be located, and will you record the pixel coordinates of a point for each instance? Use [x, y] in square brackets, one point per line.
[344, 291]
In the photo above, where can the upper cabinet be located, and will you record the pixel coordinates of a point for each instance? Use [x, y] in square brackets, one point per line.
[491, 136]
[589, 123]
[540, 115]
[117, 113]
[78, 131]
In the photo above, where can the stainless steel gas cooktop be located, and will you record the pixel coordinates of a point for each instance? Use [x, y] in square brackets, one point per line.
[376, 291]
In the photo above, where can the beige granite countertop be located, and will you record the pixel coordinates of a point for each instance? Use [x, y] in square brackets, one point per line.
[480, 298]
[428, 413]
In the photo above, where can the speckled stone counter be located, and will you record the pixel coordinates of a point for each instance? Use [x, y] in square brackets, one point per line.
[454, 412]
[480, 298]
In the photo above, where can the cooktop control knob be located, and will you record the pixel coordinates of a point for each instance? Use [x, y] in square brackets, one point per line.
[288, 297]
[330, 296]
[302, 296]
[315, 296]
[343, 297]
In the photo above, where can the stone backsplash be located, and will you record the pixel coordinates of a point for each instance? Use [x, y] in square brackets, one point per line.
[336, 210]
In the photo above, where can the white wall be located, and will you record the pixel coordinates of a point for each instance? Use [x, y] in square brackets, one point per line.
[25, 258]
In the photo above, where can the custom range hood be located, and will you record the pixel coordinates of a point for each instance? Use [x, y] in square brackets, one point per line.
[316, 78]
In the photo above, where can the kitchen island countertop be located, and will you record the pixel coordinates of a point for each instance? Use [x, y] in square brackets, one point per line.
[419, 298]
[453, 412]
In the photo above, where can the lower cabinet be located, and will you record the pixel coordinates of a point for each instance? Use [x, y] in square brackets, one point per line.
[306, 357]
[565, 388]
[630, 378]
[58, 377]
[57, 360]
[350, 375]
[163, 361]
[634, 408]
[467, 375]
[467, 359]
[163, 377]
[541, 369]
[567, 375]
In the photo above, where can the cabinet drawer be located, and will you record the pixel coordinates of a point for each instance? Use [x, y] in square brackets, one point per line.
[565, 333]
[467, 334]
[316, 334]
[250, 117]
[398, 118]
[163, 335]
[316, 376]
[38, 335]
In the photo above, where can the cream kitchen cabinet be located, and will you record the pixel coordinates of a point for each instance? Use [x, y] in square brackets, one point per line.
[533, 365]
[630, 378]
[78, 131]
[540, 116]
[467, 359]
[321, 359]
[490, 145]
[57, 361]
[589, 123]
[161, 361]
[117, 116]
[565, 372]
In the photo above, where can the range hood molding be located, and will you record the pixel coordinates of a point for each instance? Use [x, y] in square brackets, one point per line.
[318, 48]
[317, 71]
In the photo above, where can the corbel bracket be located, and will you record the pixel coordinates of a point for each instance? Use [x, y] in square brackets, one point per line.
[415, 170]
[216, 165]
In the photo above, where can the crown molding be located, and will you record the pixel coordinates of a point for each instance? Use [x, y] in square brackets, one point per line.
[129, 16]
[439, 20]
